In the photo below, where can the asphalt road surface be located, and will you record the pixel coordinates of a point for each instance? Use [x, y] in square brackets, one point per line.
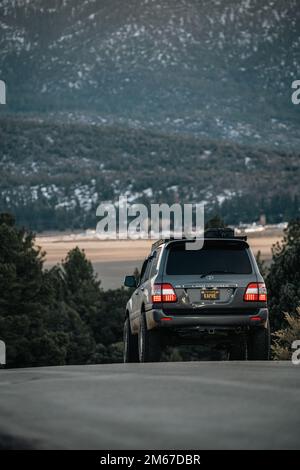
[196, 405]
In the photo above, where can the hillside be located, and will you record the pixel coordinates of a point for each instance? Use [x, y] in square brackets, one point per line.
[216, 69]
[54, 175]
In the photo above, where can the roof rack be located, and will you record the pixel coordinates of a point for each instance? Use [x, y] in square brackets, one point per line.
[208, 233]
[225, 232]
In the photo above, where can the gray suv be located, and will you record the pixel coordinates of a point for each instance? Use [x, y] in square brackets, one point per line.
[214, 296]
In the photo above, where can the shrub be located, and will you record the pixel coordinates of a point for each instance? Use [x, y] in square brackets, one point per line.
[282, 347]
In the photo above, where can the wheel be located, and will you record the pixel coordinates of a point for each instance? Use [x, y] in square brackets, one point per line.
[149, 343]
[131, 351]
[238, 350]
[259, 344]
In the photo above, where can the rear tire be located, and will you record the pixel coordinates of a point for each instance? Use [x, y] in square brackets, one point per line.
[131, 351]
[259, 344]
[238, 350]
[149, 343]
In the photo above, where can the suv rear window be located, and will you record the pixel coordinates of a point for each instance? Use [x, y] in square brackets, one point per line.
[214, 258]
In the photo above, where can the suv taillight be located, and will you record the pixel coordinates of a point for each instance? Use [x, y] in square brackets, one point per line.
[163, 293]
[256, 292]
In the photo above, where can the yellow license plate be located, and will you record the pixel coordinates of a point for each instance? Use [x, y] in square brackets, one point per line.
[210, 294]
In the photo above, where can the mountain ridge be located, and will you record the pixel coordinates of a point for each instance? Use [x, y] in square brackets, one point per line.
[211, 68]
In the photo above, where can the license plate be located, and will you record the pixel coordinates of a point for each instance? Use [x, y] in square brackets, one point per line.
[210, 294]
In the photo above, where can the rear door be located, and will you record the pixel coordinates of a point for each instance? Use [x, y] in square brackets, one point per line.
[213, 278]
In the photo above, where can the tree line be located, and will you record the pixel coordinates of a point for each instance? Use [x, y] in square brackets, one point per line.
[54, 175]
[54, 316]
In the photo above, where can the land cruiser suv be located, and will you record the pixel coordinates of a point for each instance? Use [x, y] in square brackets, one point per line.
[214, 295]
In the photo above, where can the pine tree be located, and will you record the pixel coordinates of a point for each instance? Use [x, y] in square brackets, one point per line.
[40, 320]
[23, 296]
[81, 283]
[56, 316]
[283, 280]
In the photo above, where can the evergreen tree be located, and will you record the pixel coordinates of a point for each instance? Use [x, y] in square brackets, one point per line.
[102, 311]
[81, 283]
[56, 316]
[283, 280]
[23, 298]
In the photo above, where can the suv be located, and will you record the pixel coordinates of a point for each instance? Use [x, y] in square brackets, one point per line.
[214, 296]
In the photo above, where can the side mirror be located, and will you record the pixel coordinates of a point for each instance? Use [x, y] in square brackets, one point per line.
[130, 281]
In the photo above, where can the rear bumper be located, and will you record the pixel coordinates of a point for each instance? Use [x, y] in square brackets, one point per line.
[156, 318]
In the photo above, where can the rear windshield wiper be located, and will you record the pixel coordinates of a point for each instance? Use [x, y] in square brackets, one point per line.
[217, 272]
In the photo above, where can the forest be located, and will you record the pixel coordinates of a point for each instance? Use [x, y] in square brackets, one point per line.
[53, 175]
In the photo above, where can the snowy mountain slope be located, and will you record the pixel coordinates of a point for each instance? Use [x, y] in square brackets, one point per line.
[53, 176]
[217, 68]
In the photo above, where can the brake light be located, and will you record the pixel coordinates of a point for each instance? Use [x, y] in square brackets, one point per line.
[156, 293]
[256, 292]
[163, 293]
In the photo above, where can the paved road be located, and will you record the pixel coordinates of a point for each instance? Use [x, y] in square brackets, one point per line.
[217, 405]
